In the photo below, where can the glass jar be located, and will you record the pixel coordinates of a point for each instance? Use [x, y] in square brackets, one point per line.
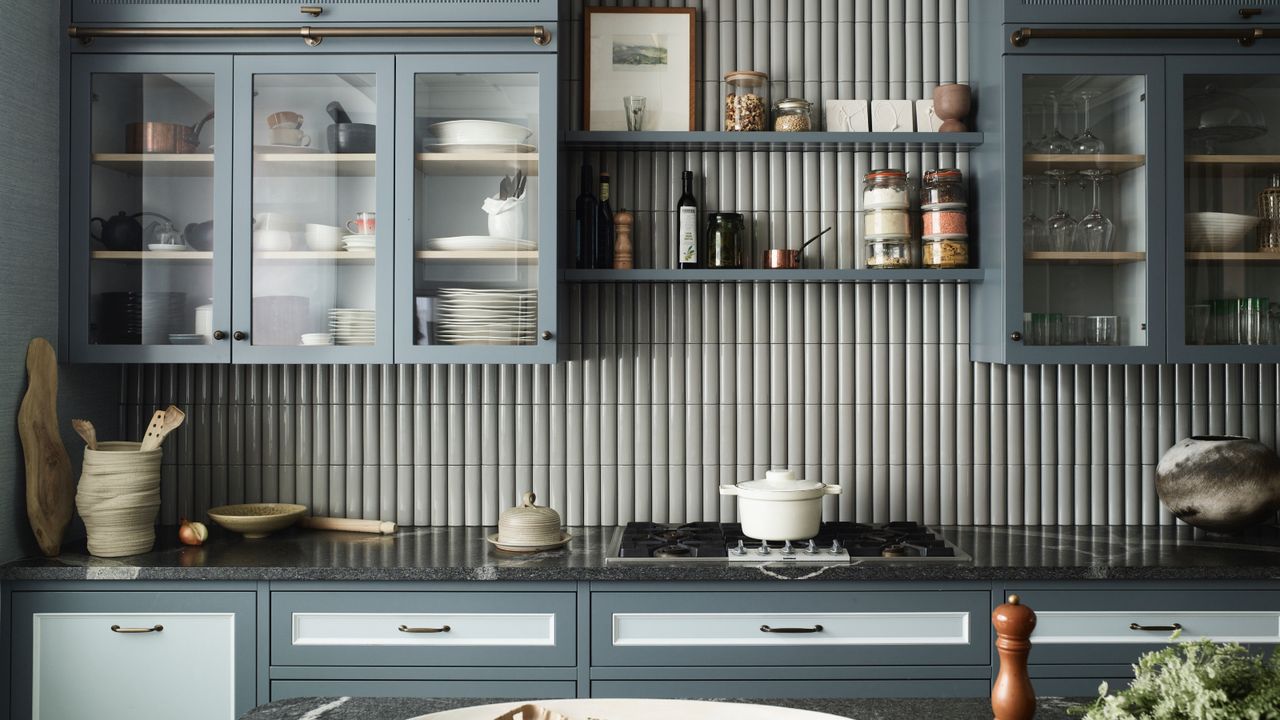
[945, 219]
[793, 115]
[885, 189]
[942, 186]
[889, 252]
[945, 251]
[1269, 211]
[746, 100]
[726, 234]
[886, 222]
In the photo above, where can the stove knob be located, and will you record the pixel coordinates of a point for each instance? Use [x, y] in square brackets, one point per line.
[764, 548]
[740, 550]
[813, 548]
[787, 549]
[835, 547]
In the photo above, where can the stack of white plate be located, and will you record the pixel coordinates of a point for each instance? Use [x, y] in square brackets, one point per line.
[486, 317]
[358, 243]
[463, 243]
[352, 326]
[1217, 231]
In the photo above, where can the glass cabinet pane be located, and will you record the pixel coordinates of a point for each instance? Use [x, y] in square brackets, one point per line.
[314, 219]
[476, 201]
[150, 209]
[1085, 225]
[1232, 210]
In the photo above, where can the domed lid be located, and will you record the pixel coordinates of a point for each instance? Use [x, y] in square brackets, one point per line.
[527, 523]
[782, 482]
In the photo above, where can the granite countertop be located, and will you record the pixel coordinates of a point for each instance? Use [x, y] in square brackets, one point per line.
[868, 709]
[461, 553]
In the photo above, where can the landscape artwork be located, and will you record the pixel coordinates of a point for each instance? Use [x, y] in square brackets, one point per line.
[639, 52]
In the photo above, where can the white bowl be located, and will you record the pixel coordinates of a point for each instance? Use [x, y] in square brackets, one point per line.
[1216, 231]
[324, 238]
[272, 240]
[317, 339]
[274, 221]
[474, 132]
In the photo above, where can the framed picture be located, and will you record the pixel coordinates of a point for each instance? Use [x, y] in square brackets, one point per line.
[646, 52]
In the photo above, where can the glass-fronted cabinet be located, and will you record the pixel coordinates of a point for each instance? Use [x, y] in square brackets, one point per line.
[1224, 199]
[1084, 236]
[313, 220]
[475, 197]
[149, 174]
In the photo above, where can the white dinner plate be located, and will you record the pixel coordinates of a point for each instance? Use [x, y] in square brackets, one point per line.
[460, 243]
[636, 709]
[463, 147]
[297, 149]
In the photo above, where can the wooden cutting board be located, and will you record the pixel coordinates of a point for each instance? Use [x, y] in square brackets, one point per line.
[50, 492]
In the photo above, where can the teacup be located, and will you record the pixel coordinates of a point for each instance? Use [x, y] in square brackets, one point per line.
[323, 238]
[284, 119]
[366, 223]
[290, 136]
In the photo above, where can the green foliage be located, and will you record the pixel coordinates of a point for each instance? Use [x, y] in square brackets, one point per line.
[1199, 680]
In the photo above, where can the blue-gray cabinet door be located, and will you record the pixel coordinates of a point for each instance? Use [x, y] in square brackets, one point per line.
[291, 11]
[149, 250]
[1143, 12]
[1223, 200]
[1083, 253]
[476, 222]
[313, 219]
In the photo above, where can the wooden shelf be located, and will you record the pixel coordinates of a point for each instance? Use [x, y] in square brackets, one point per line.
[476, 164]
[1259, 258]
[1086, 258]
[1075, 163]
[157, 164]
[152, 256]
[315, 164]
[341, 256]
[768, 141]
[1235, 160]
[477, 255]
[762, 275]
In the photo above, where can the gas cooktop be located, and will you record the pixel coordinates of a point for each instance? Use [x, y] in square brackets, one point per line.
[835, 543]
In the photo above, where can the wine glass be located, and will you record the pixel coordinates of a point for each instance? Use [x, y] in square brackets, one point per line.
[1055, 143]
[1086, 143]
[1035, 235]
[1095, 232]
[1032, 145]
[1060, 224]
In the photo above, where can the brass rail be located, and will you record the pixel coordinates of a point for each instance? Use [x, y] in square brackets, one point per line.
[1244, 36]
[310, 34]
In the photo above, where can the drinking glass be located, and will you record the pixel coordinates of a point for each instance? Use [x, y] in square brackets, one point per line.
[1226, 321]
[1074, 330]
[1199, 321]
[1102, 330]
[1035, 234]
[1095, 232]
[1061, 225]
[1055, 143]
[1253, 313]
[634, 107]
[1085, 142]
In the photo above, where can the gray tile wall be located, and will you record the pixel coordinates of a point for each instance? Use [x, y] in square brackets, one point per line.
[671, 389]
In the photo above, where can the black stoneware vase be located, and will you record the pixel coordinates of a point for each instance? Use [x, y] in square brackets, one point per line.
[1220, 482]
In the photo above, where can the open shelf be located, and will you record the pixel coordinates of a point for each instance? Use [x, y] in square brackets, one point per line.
[341, 256]
[151, 256]
[315, 164]
[1087, 258]
[762, 275]
[476, 164]
[157, 164]
[768, 141]
[1259, 258]
[477, 255]
[1039, 162]
[1273, 160]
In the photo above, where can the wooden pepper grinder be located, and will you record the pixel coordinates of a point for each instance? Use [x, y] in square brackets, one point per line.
[1012, 697]
[622, 254]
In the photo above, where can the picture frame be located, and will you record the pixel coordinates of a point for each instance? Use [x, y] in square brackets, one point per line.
[639, 51]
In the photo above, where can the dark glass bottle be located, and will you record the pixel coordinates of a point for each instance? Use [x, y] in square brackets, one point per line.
[688, 249]
[603, 243]
[585, 222]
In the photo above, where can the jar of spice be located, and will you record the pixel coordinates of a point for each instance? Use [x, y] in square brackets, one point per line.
[944, 185]
[945, 219]
[726, 233]
[793, 115]
[888, 252]
[885, 189]
[746, 100]
[945, 251]
[886, 222]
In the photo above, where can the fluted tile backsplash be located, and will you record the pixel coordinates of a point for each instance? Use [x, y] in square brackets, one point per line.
[671, 389]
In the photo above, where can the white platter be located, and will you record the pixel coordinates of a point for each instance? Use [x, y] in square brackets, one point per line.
[636, 709]
[296, 149]
[459, 243]
[490, 132]
[478, 147]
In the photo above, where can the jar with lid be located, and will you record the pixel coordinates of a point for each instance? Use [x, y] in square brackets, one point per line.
[746, 100]
[887, 221]
[726, 234]
[885, 189]
[793, 115]
[945, 251]
[1269, 211]
[945, 219]
[940, 186]
[889, 252]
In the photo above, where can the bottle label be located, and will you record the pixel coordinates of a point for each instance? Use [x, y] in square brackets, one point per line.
[687, 247]
[604, 192]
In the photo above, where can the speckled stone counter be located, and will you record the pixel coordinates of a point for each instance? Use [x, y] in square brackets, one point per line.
[461, 554]
[405, 708]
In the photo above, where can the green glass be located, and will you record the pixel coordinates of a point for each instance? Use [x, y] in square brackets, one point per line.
[726, 234]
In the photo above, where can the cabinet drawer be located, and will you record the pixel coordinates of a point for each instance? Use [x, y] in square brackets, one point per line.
[821, 628]
[422, 628]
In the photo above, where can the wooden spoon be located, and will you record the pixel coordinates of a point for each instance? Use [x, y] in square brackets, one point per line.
[86, 430]
[162, 423]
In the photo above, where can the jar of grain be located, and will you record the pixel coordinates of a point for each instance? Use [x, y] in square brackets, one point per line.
[746, 100]
[945, 251]
[887, 252]
[886, 222]
[885, 189]
[941, 186]
[945, 219]
[793, 115]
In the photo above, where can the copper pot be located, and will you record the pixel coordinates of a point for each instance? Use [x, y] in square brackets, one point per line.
[782, 259]
[163, 137]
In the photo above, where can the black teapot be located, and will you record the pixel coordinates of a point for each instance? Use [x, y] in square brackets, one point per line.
[199, 235]
[122, 231]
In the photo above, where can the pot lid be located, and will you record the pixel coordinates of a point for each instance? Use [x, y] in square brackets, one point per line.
[782, 481]
[528, 522]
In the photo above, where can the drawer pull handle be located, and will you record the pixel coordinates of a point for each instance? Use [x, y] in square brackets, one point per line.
[793, 630]
[136, 631]
[441, 629]
[1156, 628]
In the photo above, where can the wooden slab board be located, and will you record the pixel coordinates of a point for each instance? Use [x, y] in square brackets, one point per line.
[50, 492]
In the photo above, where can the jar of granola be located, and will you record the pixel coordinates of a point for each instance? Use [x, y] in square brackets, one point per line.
[746, 100]
[792, 115]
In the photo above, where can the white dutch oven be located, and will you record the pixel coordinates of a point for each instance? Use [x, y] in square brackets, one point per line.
[781, 506]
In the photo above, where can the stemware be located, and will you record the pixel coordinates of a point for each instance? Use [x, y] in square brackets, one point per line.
[1055, 143]
[1035, 234]
[1060, 224]
[1032, 145]
[1085, 142]
[1095, 232]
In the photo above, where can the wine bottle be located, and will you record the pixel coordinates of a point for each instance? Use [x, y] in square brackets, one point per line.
[585, 222]
[603, 250]
[688, 252]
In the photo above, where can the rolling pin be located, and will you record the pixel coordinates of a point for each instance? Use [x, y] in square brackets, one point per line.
[349, 525]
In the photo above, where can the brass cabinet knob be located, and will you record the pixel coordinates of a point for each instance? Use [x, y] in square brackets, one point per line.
[219, 335]
[312, 10]
[239, 335]
[1250, 12]
[1015, 336]
[546, 335]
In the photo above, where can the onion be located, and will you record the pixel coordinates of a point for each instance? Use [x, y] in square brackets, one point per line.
[192, 533]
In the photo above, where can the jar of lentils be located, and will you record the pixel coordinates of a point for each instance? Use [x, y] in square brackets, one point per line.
[793, 115]
[746, 100]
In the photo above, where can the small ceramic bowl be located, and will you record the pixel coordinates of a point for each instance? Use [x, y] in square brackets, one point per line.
[257, 520]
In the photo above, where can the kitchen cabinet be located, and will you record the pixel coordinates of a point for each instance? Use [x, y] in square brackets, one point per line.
[311, 13]
[1144, 12]
[132, 654]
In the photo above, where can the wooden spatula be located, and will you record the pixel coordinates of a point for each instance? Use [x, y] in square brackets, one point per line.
[162, 423]
[86, 430]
